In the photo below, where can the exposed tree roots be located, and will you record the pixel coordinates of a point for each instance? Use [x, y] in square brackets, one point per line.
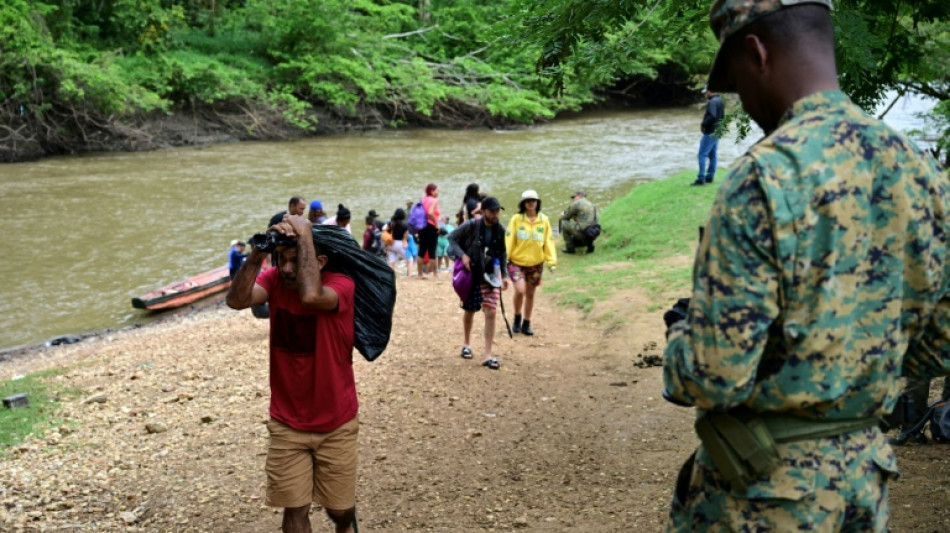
[27, 133]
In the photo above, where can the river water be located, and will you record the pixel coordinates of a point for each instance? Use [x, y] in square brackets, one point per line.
[82, 235]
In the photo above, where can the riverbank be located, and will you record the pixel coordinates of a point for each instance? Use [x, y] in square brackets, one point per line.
[570, 435]
[211, 124]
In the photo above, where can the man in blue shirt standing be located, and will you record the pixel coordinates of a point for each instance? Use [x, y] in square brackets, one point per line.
[236, 257]
[709, 144]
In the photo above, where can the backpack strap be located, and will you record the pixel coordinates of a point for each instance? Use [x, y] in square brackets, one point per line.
[919, 426]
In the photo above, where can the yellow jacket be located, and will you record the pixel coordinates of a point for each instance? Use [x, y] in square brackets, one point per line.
[530, 243]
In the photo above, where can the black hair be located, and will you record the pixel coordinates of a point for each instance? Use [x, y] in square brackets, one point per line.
[399, 214]
[443, 232]
[803, 27]
[522, 202]
[370, 220]
[342, 213]
[471, 192]
[294, 200]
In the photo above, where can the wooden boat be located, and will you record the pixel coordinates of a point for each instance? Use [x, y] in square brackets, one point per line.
[185, 291]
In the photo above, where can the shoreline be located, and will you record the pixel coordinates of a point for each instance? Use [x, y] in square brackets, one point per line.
[39, 348]
[204, 126]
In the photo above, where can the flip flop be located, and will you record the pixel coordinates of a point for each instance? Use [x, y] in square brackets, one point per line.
[466, 352]
[492, 363]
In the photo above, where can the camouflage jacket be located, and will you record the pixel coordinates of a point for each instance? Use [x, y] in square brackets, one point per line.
[823, 274]
[582, 212]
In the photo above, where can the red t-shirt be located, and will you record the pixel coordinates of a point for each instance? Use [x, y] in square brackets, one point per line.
[311, 356]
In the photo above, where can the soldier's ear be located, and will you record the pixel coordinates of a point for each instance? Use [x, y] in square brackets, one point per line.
[756, 51]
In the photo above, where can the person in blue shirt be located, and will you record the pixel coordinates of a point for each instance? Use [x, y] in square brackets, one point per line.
[709, 143]
[236, 257]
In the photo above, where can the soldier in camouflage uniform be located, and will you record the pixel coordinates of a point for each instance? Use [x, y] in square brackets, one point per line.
[820, 280]
[574, 220]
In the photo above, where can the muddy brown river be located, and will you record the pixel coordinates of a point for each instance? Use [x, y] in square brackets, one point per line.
[82, 235]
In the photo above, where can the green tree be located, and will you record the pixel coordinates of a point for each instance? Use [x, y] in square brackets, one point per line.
[882, 45]
[595, 42]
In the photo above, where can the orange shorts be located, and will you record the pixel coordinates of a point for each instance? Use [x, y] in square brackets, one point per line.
[305, 467]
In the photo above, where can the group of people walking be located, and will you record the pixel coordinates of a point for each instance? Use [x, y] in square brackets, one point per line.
[314, 420]
[417, 235]
[820, 281]
[490, 256]
[479, 244]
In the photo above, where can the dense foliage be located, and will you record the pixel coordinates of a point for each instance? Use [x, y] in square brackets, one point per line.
[89, 74]
[82, 74]
[882, 45]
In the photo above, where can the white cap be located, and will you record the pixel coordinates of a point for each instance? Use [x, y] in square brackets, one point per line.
[234, 242]
[530, 194]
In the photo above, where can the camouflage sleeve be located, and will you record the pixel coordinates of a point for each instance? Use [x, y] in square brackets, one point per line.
[931, 356]
[571, 212]
[712, 355]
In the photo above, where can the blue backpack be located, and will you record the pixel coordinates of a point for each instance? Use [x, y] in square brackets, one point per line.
[937, 417]
[418, 218]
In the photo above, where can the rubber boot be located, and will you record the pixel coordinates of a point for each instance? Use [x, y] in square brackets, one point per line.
[516, 327]
[526, 328]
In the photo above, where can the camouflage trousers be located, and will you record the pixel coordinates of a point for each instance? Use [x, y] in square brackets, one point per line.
[824, 485]
[573, 233]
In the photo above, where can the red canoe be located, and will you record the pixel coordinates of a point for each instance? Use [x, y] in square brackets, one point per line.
[185, 291]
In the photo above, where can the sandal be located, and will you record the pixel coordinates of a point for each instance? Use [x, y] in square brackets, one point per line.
[466, 352]
[492, 363]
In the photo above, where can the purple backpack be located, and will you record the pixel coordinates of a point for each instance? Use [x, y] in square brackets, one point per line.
[418, 218]
[461, 280]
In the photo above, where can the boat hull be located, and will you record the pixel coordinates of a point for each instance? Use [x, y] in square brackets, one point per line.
[185, 291]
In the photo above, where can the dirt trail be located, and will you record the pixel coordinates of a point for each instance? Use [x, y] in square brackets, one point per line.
[570, 435]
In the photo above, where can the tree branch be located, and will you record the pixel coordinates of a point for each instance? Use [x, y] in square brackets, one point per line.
[408, 33]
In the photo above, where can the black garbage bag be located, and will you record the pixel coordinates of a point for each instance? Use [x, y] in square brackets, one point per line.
[375, 281]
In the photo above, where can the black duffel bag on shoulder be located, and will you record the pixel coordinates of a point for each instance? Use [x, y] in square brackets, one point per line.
[375, 294]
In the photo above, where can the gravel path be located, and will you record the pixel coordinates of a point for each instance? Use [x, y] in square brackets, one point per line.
[570, 435]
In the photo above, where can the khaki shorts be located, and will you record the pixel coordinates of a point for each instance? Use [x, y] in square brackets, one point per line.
[307, 467]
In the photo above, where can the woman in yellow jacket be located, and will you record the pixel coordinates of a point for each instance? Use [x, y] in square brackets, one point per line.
[530, 245]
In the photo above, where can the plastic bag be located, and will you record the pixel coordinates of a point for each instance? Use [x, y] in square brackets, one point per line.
[375, 294]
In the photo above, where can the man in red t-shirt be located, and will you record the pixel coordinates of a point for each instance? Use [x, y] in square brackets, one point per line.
[313, 406]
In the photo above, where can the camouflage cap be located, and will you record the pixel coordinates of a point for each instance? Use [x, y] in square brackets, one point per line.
[726, 17]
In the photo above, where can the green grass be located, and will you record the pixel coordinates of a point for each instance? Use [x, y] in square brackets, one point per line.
[652, 223]
[45, 398]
